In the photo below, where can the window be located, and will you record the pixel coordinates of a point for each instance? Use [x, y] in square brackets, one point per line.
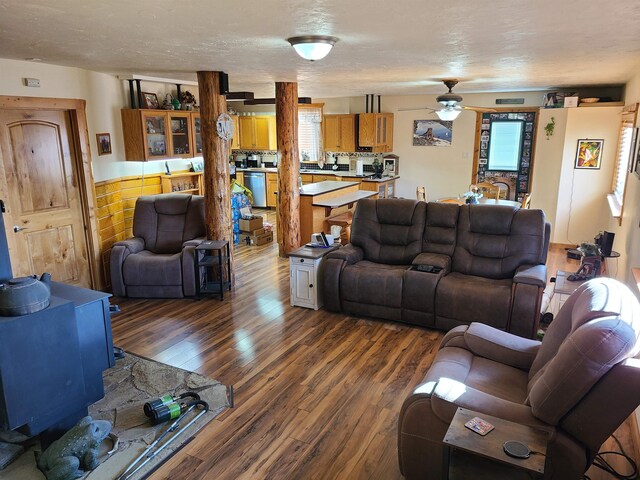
[623, 157]
[504, 145]
[310, 132]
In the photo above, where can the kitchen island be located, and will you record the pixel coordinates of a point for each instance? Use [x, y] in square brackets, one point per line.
[321, 201]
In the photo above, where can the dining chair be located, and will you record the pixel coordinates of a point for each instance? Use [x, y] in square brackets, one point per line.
[421, 194]
[526, 200]
[489, 190]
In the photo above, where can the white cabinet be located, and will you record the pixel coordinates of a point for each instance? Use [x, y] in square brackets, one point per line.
[304, 266]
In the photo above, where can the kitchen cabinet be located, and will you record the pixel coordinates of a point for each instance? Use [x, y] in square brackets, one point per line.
[160, 134]
[257, 133]
[306, 178]
[339, 133]
[272, 188]
[240, 177]
[375, 130]
[235, 141]
[325, 178]
[196, 132]
[181, 125]
[385, 188]
[187, 182]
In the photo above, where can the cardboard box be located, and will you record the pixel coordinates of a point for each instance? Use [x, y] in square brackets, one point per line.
[261, 239]
[260, 231]
[247, 225]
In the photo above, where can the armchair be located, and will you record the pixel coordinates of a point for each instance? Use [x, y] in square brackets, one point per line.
[582, 380]
[159, 260]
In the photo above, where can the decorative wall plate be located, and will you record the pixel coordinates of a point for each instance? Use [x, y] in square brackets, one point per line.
[224, 125]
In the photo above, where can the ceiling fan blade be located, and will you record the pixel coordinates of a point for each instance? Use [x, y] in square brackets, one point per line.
[414, 109]
[478, 109]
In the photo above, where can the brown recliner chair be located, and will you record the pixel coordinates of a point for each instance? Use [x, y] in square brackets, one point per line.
[159, 261]
[583, 381]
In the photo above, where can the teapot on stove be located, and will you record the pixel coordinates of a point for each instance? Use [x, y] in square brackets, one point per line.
[24, 295]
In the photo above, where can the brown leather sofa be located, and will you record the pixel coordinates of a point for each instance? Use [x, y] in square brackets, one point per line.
[159, 261]
[491, 259]
[581, 382]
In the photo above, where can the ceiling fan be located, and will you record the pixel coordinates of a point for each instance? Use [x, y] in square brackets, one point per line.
[450, 102]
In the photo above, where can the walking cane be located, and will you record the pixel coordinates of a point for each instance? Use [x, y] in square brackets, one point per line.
[151, 455]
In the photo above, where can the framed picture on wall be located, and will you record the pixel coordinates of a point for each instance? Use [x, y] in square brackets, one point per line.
[589, 154]
[150, 100]
[104, 143]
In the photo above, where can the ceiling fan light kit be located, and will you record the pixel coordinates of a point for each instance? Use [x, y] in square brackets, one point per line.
[448, 113]
[313, 47]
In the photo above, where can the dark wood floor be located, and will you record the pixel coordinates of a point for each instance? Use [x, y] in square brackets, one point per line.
[317, 395]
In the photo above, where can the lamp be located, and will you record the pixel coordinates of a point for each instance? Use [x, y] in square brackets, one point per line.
[448, 113]
[313, 47]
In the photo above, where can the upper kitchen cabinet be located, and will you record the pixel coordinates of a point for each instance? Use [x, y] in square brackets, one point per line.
[160, 134]
[375, 131]
[257, 133]
[145, 134]
[196, 133]
[235, 141]
[181, 134]
[339, 133]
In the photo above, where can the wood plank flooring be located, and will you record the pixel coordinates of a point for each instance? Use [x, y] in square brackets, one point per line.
[317, 395]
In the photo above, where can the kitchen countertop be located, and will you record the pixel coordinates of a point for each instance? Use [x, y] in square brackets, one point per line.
[324, 187]
[338, 173]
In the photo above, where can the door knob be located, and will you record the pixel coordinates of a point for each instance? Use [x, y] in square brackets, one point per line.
[17, 229]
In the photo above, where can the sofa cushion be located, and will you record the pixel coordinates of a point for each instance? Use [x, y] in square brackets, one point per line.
[462, 299]
[147, 268]
[440, 228]
[373, 283]
[493, 241]
[389, 230]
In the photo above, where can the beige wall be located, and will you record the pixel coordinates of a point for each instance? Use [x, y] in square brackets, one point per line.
[105, 95]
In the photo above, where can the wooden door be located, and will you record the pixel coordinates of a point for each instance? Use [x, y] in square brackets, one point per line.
[331, 133]
[272, 188]
[347, 133]
[40, 183]
[156, 128]
[196, 141]
[235, 141]
[388, 140]
[181, 141]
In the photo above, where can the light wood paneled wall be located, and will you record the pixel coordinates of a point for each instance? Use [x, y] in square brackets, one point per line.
[116, 199]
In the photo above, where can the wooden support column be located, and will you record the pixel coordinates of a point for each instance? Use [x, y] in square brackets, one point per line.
[215, 152]
[288, 213]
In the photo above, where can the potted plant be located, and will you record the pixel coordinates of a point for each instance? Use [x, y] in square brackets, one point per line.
[188, 100]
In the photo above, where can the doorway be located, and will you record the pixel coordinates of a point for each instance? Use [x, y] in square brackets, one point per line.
[48, 189]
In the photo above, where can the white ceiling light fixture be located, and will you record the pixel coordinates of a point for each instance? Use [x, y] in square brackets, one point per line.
[313, 47]
[448, 113]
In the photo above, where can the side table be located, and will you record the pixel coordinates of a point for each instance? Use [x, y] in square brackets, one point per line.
[213, 268]
[489, 447]
[562, 289]
[304, 266]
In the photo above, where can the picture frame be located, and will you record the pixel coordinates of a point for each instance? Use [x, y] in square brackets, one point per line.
[589, 154]
[104, 143]
[150, 101]
[432, 133]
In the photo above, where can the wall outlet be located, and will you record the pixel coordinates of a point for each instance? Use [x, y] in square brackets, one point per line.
[32, 82]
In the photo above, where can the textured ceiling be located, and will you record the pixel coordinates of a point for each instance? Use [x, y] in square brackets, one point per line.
[402, 47]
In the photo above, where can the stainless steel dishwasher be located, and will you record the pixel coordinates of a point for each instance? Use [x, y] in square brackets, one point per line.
[256, 182]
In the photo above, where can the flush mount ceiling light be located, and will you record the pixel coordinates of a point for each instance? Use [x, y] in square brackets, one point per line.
[313, 47]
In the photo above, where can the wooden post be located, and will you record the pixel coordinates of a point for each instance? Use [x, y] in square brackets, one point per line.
[288, 213]
[215, 152]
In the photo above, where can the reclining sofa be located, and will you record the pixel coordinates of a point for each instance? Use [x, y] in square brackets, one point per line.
[484, 263]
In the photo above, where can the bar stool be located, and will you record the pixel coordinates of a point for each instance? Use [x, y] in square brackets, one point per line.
[344, 220]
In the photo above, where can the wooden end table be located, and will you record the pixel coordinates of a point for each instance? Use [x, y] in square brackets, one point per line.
[304, 268]
[489, 447]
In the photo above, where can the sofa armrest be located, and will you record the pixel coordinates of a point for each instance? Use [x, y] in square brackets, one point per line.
[435, 259]
[193, 242]
[531, 275]
[488, 342]
[133, 244]
[119, 253]
[349, 253]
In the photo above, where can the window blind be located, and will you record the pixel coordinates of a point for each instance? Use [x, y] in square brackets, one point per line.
[622, 160]
[310, 133]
